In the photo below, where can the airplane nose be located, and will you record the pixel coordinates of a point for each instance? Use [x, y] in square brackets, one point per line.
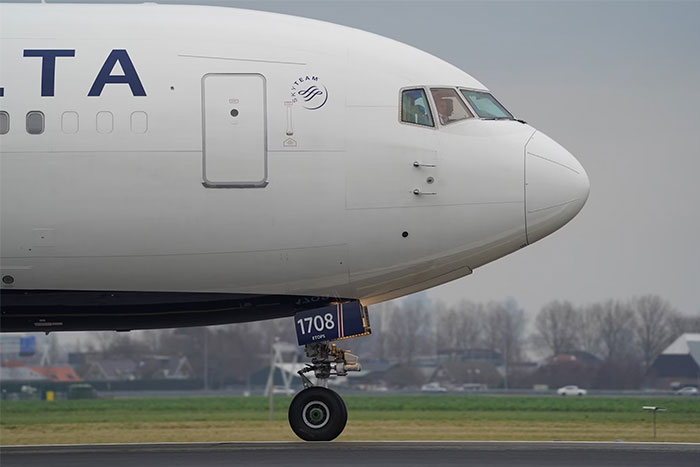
[556, 186]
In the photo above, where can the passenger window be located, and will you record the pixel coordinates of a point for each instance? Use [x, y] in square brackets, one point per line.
[4, 122]
[139, 122]
[35, 122]
[415, 108]
[449, 106]
[105, 122]
[70, 122]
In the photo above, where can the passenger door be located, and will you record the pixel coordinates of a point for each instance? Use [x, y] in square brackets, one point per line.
[234, 131]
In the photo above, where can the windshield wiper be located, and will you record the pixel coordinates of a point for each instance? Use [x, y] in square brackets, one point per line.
[506, 118]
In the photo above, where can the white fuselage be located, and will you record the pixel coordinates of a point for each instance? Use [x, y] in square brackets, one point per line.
[215, 175]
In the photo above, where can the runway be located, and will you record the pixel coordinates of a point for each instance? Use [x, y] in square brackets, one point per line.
[419, 453]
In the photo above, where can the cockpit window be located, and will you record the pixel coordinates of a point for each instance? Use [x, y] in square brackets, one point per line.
[485, 105]
[449, 106]
[415, 108]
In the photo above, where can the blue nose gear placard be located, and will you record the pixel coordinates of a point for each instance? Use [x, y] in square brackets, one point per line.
[334, 322]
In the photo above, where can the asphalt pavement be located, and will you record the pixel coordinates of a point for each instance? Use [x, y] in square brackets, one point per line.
[385, 454]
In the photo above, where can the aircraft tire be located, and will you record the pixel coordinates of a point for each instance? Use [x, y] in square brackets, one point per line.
[318, 414]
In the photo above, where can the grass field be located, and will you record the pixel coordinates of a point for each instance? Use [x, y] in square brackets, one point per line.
[434, 417]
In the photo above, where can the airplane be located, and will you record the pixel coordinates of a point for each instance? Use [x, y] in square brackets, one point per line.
[166, 166]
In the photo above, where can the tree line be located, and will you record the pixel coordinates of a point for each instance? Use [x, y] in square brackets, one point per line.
[624, 335]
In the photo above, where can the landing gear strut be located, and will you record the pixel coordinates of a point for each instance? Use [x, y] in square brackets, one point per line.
[318, 413]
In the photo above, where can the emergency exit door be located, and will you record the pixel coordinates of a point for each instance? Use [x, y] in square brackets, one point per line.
[234, 140]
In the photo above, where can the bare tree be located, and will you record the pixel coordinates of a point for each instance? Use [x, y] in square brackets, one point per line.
[235, 352]
[151, 338]
[469, 326]
[608, 331]
[409, 329]
[680, 324]
[373, 346]
[491, 327]
[391, 339]
[557, 327]
[123, 345]
[588, 329]
[652, 326]
[505, 332]
[186, 342]
[459, 327]
[227, 353]
[445, 329]
[616, 322]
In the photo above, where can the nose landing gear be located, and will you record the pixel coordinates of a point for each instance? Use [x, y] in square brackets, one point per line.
[318, 413]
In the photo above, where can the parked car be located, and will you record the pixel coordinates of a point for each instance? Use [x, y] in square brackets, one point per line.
[432, 387]
[687, 391]
[571, 391]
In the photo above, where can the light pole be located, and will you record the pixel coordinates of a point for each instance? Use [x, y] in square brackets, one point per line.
[654, 409]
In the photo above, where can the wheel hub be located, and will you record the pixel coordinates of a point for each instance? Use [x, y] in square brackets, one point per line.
[315, 414]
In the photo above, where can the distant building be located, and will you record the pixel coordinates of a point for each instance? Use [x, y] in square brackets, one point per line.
[60, 374]
[12, 346]
[164, 367]
[19, 374]
[459, 373]
[373, 373]
[111, 370]
[147, 368]
[678, 365]
[576, 356]
[573, 367]
[520, 374]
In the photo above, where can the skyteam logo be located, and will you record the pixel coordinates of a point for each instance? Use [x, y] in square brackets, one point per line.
[310, 92]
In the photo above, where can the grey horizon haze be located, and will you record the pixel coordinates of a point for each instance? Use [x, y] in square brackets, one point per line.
[618, 85]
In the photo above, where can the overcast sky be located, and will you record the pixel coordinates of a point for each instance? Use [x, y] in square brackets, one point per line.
[618, 85]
